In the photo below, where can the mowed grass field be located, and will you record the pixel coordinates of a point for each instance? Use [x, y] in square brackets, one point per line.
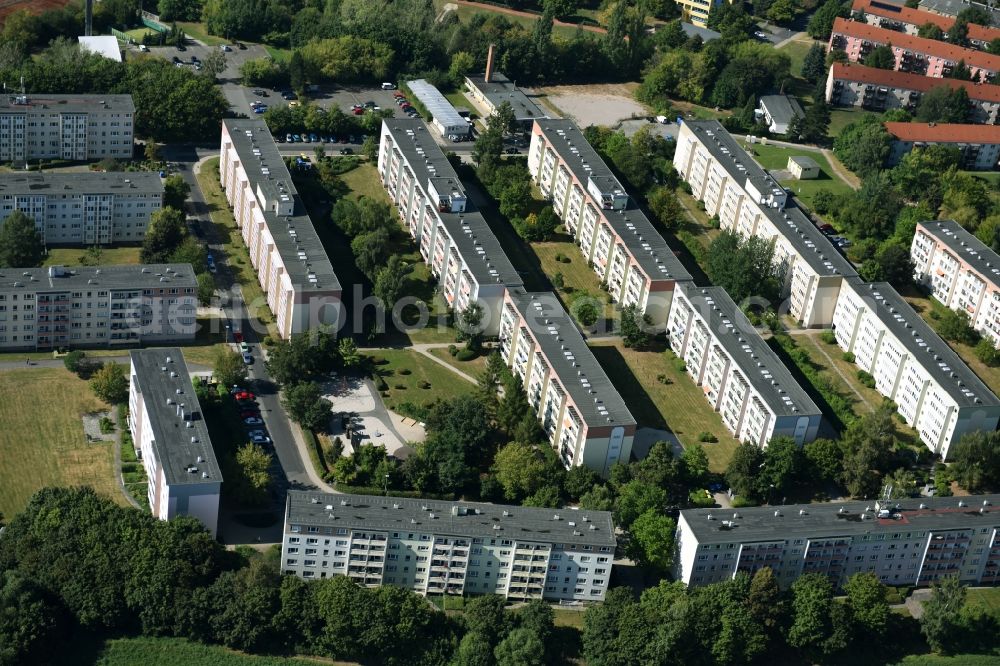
[444, 384]
[660, 396]
[41, 438]
[110, 256]
[776, 157]
[174, 652]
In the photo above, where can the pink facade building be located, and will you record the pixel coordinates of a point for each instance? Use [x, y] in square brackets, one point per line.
[900, 18]
[913, 54]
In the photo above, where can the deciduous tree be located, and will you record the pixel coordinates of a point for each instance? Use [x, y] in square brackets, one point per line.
[229, 368]
[110, 383]
[21, 243]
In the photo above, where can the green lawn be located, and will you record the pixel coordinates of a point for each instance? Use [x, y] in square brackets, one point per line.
[475, 367]
[776, 157]
[49, 451]
[198, 31]
[956, 660]
[986, 598]
[842, 375]
[842, 117]
[109, 256]
[797, 50]
[577, 275]
[363, 180]
[138, 33]
[465, 14]
[444, 384]
[235, 251]
[173, 652]
[660, 396]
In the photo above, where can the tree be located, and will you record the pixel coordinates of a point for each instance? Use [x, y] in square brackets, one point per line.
[469, 325]
[665, 206]
[941, 622]
[634, 334]
[784, 465]
[891, 264]
[180, 10]
[77, 362]
[229, 368]
[957, 327]
[520, 469]
[473, 651]
[823, 457]
[462, 63]
[486, 617]
[347, 350]
[369, 147]
[110, 383]
[958, 33]
[814, 65]
[636, 498]
[812, 126]
[943, 104]
[694, 466]
[389, 282]
[214, 64]
[166, 231]
[976, 460]
[812, 606]
[821, 24]
[30, 620]
[867, 444]
[521, 647]
[743, 474]
[306, 405]
[504, 118]
[206, 288]
[560, 9]
[370, 249]
[867, 601]
[252, 475]
[863, 146]
[652, 542]
[744, 267]
[881, 57]
[597, 498]
[930, 31]
[21, 244]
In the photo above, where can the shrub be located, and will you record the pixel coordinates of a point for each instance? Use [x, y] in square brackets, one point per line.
[403, 371]
[987, 353]
[848, 356]
[379, 360]
[557, 281]
[107, 425]
[828, 336]
[739, 502]
[466, 355]
[381, 385]
[680, 364]
[401, 387]
[705, 436]
[866, 379]
[453, 350]
[424, 384]
[700, 497]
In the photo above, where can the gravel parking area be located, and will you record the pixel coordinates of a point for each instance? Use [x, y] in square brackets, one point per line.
[599, 104]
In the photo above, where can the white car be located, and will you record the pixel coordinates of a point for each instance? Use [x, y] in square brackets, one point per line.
[253, 421]
[143, 48]
[760, 34]
[260, 439]
[257, 433]
[388, 86]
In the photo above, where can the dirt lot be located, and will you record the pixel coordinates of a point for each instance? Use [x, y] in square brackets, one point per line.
[8, 7]
[598, 104]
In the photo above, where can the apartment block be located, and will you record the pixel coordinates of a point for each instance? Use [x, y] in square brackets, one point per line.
[66, 127]
[102, 306]
[299, 282]
[900, 18]
[619, 243]
[961, 272]
[171, 438]
[433, 547]
[84, 209]
[455, 241]
[954, 7]
[586, 420]
[934, 391]
[696, 11]
[905, 542]
[979, 145]
[741, 376]
[749, 201]
[918, 55]
[873, 89]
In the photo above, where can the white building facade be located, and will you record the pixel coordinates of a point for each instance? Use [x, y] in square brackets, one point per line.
[908, 542]
[740, 375]
[292, 266]
[104, 306]
[460, 548]
[171, 438]
[625, 251]
[748, 200]
[454, 240]
[934, 391]
[66, 127]
[84, 209]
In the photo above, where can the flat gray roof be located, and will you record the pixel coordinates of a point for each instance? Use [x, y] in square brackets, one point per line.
[86, 182]
[582, 377]
[105, 45]
[500, 89]
[808, 241]
[924, 345]
[967, 247]
[835, 519]
[178, 447]
[473, 519]
[56, 278]
[694, 31]
[46, 102]
[643, 241]
[953, 7]
[804, 162]
[762, 368]
[469, 230]
[252, 135]
[436, 104]
[783, 108]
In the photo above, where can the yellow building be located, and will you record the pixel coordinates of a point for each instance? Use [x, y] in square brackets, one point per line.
[696, 11]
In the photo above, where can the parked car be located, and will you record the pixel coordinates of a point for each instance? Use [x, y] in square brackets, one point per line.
[398, 93]
[296, 138]
[388, 86]
[238, 337]
[253, 421]
[369, 104]
[314, 138]
[346, 151]
[513, 151]
[245, 395]
[225, 48]
[358, 111]
[289, 138]
[181, 47]
[241, 46]
[143, 48]
[250, 414]
[288, 94]
[211, 267]
[248, 359]
[176, 60]
[260, 439]
[259, 109]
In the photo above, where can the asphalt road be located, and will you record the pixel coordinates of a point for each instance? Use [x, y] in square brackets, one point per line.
[289, 470]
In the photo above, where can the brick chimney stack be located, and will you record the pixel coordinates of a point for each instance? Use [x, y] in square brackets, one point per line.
[489, 65]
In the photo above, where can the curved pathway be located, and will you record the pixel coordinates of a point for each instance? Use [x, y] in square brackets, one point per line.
[515, 12]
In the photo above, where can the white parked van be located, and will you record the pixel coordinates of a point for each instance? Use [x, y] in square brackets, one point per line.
[388, 86]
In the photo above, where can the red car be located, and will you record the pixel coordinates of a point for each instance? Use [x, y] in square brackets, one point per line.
[249, 413]
[237, 336]
[398, 93]
[359, 111]
[245, 395]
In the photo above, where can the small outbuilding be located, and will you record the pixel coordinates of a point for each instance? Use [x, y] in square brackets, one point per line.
[803, 168]
[778, 112]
